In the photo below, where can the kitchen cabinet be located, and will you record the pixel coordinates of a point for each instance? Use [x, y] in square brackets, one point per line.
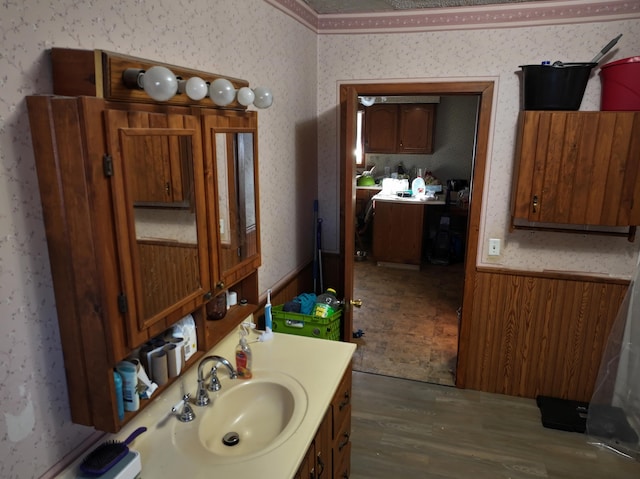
[577, 168]
[397, 232]
[125, 266]
[399, 128]
[329, 455]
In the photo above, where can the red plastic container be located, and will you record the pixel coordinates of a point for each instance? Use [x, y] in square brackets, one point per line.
[621, 85]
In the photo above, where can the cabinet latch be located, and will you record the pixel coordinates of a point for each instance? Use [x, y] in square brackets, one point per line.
[123, 305]
[107, 165]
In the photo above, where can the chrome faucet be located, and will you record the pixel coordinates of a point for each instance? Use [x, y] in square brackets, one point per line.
[202, 396]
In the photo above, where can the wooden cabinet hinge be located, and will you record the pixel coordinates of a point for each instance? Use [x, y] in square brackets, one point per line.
[107, 165]
[123, 305]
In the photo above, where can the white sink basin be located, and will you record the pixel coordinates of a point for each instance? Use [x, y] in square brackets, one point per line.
[247, 418]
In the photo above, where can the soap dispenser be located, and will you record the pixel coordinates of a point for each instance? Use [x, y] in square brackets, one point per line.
[243, 356]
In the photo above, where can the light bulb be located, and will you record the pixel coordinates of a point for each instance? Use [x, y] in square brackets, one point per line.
[160, 83]
[246, 96]
[367, 100]
[221, 91]
[196, 88]
[264, 98]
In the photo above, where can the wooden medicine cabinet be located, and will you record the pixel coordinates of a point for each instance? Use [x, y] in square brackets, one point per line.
[132, 203]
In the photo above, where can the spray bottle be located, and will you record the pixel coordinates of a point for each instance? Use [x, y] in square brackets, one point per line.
[268, 320]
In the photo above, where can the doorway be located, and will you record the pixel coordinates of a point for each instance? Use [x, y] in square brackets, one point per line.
[348, 101]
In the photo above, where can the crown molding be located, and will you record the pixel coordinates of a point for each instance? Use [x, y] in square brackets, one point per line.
[534, 13]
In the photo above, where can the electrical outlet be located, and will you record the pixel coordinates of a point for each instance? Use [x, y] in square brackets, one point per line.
[494, 247]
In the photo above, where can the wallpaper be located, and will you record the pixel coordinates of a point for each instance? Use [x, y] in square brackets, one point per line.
[248, 39]
[490, 55]
[298, 153]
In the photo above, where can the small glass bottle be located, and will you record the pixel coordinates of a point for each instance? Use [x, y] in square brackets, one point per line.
[243, 357]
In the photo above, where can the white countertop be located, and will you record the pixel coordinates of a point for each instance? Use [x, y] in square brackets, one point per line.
[317, 364]
[393, 198]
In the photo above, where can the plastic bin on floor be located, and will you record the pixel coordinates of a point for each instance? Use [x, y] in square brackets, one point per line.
[306, 325]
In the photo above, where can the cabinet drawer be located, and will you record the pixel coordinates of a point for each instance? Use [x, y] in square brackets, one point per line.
[342, 462]
[341, 404]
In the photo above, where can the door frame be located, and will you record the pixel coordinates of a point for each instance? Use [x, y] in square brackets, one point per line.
[347, 120]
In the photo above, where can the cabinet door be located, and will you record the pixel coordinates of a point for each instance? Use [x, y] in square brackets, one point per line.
[397, 232]
[578, 168]
[381, 129]
[341, 427]
[162, 252]
[416, 128]
[231, 156]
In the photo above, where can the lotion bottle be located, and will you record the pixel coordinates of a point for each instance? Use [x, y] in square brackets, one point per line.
[243, 357]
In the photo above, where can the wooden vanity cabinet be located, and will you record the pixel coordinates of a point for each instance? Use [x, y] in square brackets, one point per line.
[399, 128]
[329, 455]
[578, 168]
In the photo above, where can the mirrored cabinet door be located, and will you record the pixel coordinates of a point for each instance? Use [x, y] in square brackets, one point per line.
[231, 147]
[158, 196]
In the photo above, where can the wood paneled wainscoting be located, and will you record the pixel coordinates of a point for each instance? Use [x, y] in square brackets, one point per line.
[536, 333]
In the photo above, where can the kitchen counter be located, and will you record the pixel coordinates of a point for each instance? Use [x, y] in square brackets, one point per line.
[393, 198]
[317, 364]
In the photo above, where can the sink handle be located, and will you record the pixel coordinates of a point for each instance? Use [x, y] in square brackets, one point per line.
[214, 383]
[187, 414]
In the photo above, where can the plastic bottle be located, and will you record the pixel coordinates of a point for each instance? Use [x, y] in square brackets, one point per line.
[129, 385]
[117, 379]
[243, 357]
[417, 185]
[326, 304]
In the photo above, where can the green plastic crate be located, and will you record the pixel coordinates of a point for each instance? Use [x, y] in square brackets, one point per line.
[306, 325]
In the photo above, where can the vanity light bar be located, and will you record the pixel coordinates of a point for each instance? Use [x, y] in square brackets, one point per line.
[161, 84]
[118, 77]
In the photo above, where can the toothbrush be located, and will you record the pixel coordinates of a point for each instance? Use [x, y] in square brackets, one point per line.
[268, 319]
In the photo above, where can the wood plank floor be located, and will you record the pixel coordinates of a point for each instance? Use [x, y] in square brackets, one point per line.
[410, 429]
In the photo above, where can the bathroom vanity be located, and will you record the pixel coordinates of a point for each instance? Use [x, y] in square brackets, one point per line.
[310, 434]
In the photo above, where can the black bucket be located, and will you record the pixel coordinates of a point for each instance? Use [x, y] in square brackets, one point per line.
[555, 87]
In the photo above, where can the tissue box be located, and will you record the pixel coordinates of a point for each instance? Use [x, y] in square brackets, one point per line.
[306, 325]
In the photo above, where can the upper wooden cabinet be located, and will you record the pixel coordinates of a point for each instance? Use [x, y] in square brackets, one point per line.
[399, 128]
[131, 198]
[578, 168]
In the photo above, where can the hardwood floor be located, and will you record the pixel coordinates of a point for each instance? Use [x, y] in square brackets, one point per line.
[410, 429]
[409, 319]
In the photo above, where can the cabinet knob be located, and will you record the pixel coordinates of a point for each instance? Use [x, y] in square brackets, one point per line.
[220, 285]
[535, 203]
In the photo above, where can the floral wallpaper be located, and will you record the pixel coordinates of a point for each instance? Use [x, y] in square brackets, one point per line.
[261, 41]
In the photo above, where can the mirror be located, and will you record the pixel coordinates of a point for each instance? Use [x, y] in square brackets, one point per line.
[166, 230]
[235, 160]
